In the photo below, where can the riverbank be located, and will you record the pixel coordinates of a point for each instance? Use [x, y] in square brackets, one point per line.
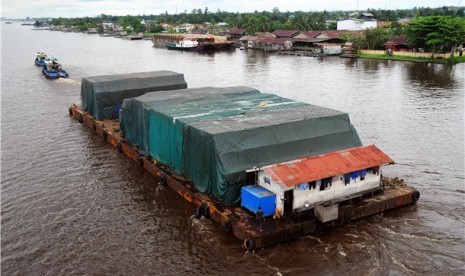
[456, 59]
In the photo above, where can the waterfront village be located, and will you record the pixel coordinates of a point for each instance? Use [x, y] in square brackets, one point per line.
[358, 34]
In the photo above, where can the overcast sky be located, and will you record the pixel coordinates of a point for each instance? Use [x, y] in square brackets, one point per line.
[80, 8]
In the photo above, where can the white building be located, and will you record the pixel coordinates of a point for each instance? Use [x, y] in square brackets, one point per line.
[183, 28]
[356, 24]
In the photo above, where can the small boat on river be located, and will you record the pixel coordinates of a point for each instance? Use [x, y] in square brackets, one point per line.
[40, 59]
[52, 69]
[187, 44]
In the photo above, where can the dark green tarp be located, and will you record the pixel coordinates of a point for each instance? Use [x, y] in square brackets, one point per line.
[220, 150]
[135, 111]
[168, 123]
[102, 96]
[212, 138]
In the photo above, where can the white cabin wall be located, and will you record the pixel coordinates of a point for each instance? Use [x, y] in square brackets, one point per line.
[338, 190]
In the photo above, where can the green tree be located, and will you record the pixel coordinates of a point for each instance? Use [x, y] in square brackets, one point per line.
[252, 24]
[374, 39]
[436, 32]
[100, 29]
[355, 38]
[137, 26]
[154, 28]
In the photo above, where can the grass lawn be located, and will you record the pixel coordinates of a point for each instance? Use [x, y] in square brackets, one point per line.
[456, 59]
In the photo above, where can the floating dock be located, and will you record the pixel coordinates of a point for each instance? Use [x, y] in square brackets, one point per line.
[237, 221]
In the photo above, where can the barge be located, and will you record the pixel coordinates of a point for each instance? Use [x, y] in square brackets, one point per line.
[234, 220]
[203, 143]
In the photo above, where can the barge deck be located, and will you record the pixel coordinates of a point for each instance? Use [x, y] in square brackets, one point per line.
[237, 221]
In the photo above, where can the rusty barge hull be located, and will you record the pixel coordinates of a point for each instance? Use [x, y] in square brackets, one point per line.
[235, 220]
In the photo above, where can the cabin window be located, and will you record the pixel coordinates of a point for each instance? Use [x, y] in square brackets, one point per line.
[326, 183]
[303, 186]
[346, 179]
[320, 185]
[266, 180]
[363, 174]
[312, 185]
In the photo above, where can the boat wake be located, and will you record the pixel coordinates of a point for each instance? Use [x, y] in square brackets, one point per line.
[69, 81]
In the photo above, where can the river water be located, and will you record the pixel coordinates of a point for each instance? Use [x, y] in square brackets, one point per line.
[70, 204]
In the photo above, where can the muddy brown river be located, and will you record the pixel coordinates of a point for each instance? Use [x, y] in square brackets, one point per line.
[71, 205]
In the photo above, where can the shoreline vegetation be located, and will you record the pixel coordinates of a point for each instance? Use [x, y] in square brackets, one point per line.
[413, 59]
[420, 34]
[384, 56]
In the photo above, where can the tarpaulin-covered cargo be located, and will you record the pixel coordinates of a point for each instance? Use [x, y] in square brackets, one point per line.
[134, 120]
[167, 124]
[102, 96]
[220, 150]
[212, 138]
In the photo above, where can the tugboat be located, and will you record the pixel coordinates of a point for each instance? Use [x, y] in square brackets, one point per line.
[52, 69]
[40, 59]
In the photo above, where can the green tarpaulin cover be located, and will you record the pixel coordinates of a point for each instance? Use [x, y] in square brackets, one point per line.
[135, 119]
[102, 96]
[214, 138]
[221, 150]
[168, 124]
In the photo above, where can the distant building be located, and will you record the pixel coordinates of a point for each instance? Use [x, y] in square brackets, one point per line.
[248, 41]
[165, 26]
[362, 22]
[184, 28]
[273, 44]
[222, 24]
[355, 25]
[397, 43]
[237, 32]
[107, 26]
[235, 35]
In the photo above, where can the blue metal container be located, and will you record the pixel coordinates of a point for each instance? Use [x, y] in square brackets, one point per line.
[252, 197]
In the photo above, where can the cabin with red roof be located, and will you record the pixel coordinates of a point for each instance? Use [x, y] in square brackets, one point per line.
[303, 184]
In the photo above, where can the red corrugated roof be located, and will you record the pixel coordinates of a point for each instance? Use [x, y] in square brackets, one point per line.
[312, 34]
[327, 165]
[309, 40]
[285, 33]
[249, 38]
[236, 31]
[334, 33]
[398, 39]
[273, 40]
